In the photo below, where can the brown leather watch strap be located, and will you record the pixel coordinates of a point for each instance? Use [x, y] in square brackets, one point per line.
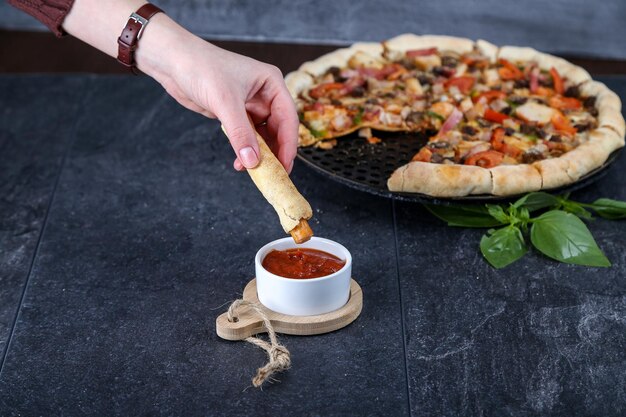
[131, 34]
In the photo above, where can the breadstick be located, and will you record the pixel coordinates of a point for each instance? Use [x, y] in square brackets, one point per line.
[274, 183]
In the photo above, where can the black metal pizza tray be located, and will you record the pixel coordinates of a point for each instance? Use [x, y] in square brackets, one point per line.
[366, 167]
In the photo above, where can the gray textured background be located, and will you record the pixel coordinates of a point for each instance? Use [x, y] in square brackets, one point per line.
[577, 27]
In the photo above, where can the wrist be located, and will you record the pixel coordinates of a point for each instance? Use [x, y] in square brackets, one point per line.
[158, 53]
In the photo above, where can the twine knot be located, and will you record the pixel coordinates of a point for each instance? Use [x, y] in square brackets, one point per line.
[279, 356]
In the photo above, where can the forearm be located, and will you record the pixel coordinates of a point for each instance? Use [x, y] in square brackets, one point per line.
[100, 22]
[200, 76]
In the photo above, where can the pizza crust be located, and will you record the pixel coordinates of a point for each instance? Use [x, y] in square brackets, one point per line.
[410, 41]
[604, 96]
[337, 58]
[553, 172]
[613, 119]
[373, 48]
[298, 81]
[440, 180]
[514, 179]
[573, 73]
[608, 104]
[488, 49]
[592, 154]
[517, 53]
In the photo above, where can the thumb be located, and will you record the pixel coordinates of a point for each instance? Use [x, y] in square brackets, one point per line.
[241, 135]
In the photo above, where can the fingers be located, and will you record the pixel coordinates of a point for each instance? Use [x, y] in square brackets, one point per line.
[283, 124]
[238, 165]
[240, 133]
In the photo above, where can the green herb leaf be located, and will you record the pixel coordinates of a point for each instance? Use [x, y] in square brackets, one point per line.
[564, 237]
[497, 212]
[504, 246]
[609, 209]
[435, 115]
[358, 118]
[574, 208]
[537, 201]
[318, 133]
[464, 216]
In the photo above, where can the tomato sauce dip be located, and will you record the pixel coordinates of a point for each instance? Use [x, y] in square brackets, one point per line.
[302, 263]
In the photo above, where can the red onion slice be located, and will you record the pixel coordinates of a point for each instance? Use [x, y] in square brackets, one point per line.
[534, 80]
[455, 117]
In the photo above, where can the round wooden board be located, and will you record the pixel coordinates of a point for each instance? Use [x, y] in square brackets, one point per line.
[249, 324]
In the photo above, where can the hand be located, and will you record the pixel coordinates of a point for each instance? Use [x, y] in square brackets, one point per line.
[201, 77]
[223, 85]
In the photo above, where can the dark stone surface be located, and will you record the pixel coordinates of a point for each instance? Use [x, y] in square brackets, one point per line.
[536, 338]
[36, 128]
[575, 27]
[151, 233]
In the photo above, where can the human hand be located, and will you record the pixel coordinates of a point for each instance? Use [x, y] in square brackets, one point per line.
[200, 76]
[223, 85]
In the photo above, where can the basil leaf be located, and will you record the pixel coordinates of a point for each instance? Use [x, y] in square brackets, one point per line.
[463, 216]
[609, 209]
[537, 201]
[497, 212]
[564, 237]
[504, 246]
[576, 208]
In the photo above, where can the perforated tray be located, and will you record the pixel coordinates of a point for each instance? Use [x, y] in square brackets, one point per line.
[366, 167]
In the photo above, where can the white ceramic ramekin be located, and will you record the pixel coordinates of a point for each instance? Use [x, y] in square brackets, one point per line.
[304, 297]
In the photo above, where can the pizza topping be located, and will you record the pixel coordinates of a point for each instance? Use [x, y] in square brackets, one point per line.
[509, 71]
[421, 52]
[424, 155]
[532, 111]
[481, 112]
[565, 103]
[463, 83]
[486, 159]
[557, 81]
[453, 119]
[534, 80]
[560, 123]
[494, 116]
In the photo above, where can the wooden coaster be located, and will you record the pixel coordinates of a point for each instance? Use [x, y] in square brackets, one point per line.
[250, 324]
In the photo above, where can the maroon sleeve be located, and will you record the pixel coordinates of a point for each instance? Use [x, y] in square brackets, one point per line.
[50, 12]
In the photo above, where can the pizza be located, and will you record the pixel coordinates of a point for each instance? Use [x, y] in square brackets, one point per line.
[500, 120]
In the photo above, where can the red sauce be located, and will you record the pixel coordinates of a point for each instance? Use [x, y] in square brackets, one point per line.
[302, 263]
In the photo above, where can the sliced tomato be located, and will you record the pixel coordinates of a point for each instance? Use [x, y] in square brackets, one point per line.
[490, 95]
[476, 62]
[497, 138]
[323, 89]
[421, 52]
[485, 159]
[544, 91]
[562, 124]
[423, 155]
[494, 116]
[509, 71]
[463, 83]
[317, 106]
[557, 81]
[398, 71]
[565, 103]
[498, 143]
